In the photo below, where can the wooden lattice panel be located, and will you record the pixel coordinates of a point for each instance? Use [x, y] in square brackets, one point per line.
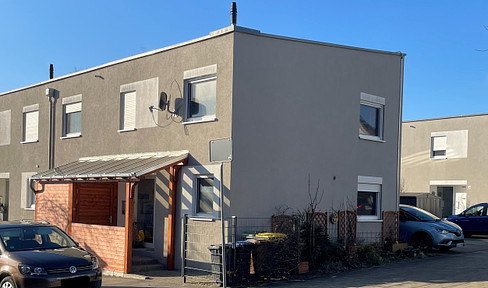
[390, 226]
[282, 224]
[320, 220]
[347, 224]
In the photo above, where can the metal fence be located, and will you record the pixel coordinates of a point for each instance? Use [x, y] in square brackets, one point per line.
[268, 247]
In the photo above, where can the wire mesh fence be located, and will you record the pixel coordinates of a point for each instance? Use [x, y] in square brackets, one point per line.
[271, 247]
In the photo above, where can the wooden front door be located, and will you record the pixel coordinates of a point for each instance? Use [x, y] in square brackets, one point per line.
[95, 203]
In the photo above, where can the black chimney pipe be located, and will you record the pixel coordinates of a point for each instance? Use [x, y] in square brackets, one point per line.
[51, 71]
[233, 13]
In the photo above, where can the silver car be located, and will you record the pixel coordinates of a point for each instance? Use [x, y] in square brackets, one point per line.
[422, 229]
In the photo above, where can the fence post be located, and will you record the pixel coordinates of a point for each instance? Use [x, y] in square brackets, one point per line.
[184, 222]
[234, 245]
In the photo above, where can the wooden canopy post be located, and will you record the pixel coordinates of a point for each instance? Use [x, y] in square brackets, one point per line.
[173, 181]
[129, 222]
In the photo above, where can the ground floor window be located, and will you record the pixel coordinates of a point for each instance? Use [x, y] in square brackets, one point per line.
[369, 198]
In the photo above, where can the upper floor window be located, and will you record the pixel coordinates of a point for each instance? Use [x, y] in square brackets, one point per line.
[201, 94]
[449, 144]
[30, 128]
[135, 99]
[371, 117]
[72, 116]
[439, 147]
[128, 111]
[5, 125]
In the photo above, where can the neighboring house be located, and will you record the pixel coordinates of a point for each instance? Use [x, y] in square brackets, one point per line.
[291, 107]
[445, 157]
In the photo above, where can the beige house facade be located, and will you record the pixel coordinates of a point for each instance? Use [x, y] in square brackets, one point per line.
[289, 108]
[445, 157]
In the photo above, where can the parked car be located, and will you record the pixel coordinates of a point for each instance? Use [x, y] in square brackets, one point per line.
[40, 255]
[473, 220]
[422, 229]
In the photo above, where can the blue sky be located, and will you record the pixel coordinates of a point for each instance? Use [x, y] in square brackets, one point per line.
[445, 74]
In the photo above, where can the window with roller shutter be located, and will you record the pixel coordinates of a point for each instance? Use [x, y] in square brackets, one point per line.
[30, 131]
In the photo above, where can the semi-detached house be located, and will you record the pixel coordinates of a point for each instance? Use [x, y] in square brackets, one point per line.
[104, 164]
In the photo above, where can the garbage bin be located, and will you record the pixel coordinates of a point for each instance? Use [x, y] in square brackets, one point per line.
[241, 270]
[216, 259]
[243, 260]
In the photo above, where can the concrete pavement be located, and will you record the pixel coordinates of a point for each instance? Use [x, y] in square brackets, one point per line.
[460, 267]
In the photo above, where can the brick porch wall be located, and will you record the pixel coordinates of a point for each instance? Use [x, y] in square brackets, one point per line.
[52, 205]
[106, 242]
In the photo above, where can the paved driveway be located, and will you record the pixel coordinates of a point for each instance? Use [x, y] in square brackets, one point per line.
[460, 267]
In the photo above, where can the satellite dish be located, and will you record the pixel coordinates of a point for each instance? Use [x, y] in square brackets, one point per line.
[163, 101]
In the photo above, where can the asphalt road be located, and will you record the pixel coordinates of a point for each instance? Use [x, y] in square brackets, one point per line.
[461, 267]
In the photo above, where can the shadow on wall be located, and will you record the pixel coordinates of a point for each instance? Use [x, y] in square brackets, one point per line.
[52, 212]
[419, 159]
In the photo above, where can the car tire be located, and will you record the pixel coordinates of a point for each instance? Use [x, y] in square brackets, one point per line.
[422, 241]
[8, 282]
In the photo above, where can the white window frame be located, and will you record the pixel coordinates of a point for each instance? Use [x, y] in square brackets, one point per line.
[375, 185]
[197, 194]
[433, 149]
[5, 127]
[71, 104]
[124, 124]
[378, 103]
[30, 124]
[194, 76]
[28, 197]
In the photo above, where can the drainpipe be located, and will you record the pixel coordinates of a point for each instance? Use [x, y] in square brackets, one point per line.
[399, 142]
[50, 95]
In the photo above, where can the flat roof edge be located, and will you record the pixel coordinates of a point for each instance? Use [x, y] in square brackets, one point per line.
[446, 117]
[213, 34]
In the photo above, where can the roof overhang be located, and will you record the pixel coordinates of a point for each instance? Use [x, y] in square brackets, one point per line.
[112, 168]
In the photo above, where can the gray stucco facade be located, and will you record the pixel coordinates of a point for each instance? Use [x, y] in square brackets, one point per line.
[446, 157]
[291, 107]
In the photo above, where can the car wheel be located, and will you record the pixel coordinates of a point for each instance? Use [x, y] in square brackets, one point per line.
[422, 241]
[8, 282]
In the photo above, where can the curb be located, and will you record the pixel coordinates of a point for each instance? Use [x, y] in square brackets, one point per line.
[111, 273]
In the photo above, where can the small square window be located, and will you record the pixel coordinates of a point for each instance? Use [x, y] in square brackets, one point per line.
[438, 147]
[371, 121]
[201, 101]
[367, 202]
[72, 119]
[369, 198]
[205, 196]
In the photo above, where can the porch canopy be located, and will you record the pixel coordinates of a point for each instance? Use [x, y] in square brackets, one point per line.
[128, 168]
[125, 167]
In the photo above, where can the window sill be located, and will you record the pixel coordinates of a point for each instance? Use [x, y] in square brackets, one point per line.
[127, 130]
[27, 142]
[203, 219]
[202, 120]
[78, 135]
[30, 209]
[371, 138]
[438, 158]
[369, 220]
